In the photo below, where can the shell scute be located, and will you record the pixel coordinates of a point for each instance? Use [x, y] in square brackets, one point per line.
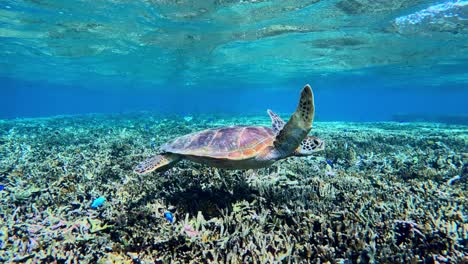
[248, 152]
[236, 142]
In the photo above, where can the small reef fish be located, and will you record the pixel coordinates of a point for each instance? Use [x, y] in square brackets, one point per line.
[169, 217]
[2, 187]
[329, 162]
[98, 202]
[451, 181]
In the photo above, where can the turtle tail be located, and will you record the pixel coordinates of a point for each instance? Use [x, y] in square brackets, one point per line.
[159, 162]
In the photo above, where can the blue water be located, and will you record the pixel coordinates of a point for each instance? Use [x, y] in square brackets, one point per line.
[366, 60]
[376, 193]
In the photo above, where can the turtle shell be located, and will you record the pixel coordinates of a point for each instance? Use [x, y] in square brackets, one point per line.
[234, 142]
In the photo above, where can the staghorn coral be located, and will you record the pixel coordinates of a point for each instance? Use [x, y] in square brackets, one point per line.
[386, 199]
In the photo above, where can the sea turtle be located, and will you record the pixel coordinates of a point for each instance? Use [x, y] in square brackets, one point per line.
[243, 147]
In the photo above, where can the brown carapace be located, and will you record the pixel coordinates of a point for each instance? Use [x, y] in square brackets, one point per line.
[243, 147]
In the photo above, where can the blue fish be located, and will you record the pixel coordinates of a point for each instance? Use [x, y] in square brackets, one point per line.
[169, 217]
[2, 187]
[329, 162]
[98, 202]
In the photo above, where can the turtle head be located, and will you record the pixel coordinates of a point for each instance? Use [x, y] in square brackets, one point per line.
[309, 146]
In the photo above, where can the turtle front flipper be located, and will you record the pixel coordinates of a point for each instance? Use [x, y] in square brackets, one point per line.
[298, 126]
[160, 162]
[276, 122]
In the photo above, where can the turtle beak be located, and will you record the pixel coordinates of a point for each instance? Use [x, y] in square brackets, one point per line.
[321, 146]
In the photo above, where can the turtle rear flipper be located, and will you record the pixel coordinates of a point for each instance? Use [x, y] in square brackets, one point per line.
[298, 126]
[160, 162]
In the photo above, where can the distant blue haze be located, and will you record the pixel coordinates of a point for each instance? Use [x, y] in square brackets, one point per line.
[354, 100]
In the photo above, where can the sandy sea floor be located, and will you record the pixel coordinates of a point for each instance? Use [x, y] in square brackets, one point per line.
[379, 193]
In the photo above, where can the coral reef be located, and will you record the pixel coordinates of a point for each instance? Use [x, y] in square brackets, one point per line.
[379, 193]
